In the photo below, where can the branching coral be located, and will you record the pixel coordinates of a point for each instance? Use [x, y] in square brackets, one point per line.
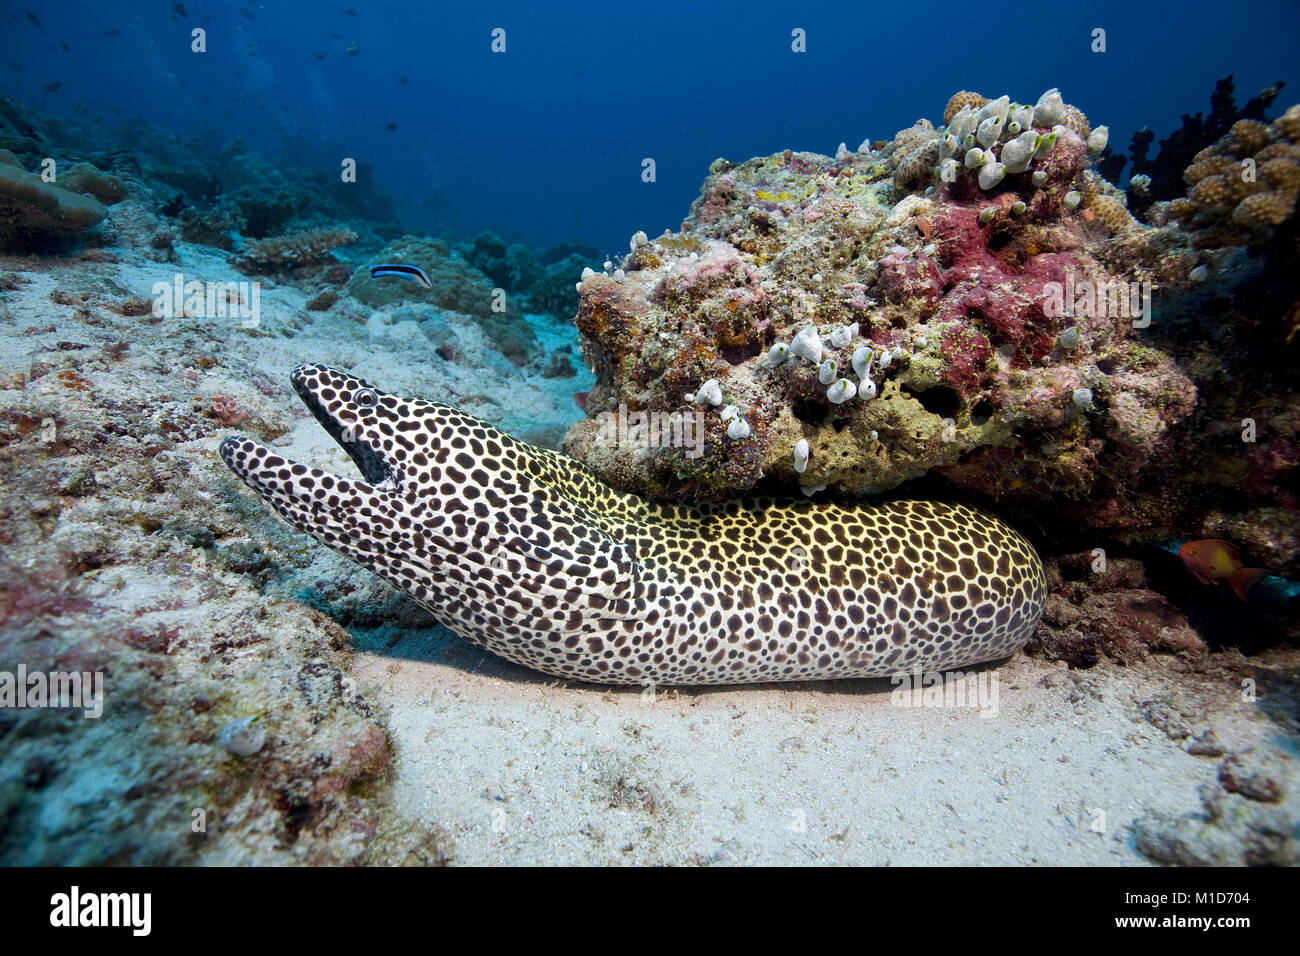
[1244, 185]
[309, 247]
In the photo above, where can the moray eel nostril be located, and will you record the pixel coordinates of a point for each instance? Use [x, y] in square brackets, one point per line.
[524, 552]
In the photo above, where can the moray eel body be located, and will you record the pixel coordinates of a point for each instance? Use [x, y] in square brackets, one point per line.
[526, 553]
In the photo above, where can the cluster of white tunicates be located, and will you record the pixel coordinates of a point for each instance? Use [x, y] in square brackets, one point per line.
[998, 139]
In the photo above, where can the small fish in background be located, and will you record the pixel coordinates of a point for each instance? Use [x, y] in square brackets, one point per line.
[404, 81]
[111, 32]
[336, 36]
[353, 49]
[35, 20]
[243, 11]
[390, 126]
[53, 86]
[1213, 559]
[414, 273]
[320, 56]
[63, 45]
[178, 11]
[349, 12]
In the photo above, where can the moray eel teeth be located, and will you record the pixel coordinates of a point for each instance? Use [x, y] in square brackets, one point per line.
[524, 552]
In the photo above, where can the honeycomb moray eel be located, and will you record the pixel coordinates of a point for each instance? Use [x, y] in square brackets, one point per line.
[526, 553]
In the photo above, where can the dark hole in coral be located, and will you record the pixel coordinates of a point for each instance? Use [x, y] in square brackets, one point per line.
[982, 412]
[1107, 365]
[999, 240]
[839, 424]
[813, 413]
[940, 400]
[735, 354]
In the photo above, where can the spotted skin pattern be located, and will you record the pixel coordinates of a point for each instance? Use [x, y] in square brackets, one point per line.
[526, 553]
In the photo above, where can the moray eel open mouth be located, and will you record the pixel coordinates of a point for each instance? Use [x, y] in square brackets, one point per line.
[524, 552]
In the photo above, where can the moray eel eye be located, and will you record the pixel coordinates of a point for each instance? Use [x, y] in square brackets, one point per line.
[366, 398]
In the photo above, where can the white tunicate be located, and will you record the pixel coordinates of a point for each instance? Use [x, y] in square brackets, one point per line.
[817, 277]
[873, 436]
[777, 354]
[738, 429]
[1098, 139]
[886, 357]
[928, 250]
[989, 131]
[1014, 128]
[588, 272]
[1199, 274]
[1050, 108]
[1023, 116]
[962, 123]
[801, 453]
[807, 345]
[994, 109]
[1082, 397]
[810, 490]
[991, 175]
[1045, 144]
[620, 275]
[1141, 183]
[948, 146]
[862, 359]
[842, 336]
[608, 265]
[968, 141]
[841, 392]
[710, 392]
[1072, 199]
[728, 413]
[578, 286]
[243, 737]
[1070, 338]
[1017, 154]
[868, 390]
[826, 374]
[639, 239]
[949, 170]
[1039, 178]
[974, 158]
[1018, 207]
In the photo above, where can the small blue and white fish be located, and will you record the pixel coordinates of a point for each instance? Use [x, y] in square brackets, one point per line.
[402, 272]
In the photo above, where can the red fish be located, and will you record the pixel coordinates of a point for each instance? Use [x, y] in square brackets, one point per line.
[1213, 559]
[581, 399]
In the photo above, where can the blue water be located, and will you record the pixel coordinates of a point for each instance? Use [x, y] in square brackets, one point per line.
[545, 141]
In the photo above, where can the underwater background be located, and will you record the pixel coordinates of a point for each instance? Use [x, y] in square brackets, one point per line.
[1037, 258]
